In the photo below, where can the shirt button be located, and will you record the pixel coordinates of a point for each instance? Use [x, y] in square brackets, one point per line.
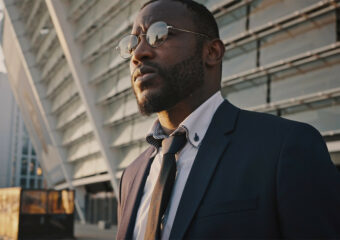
[196, 138]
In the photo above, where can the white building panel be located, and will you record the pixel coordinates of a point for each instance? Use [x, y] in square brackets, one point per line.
[94, 16]
[239, 63]
[141, 127]
[89, 166]
[88, 146]
[128, 154]
[130, 106]
[73, 111]
[247, 95]
[62, 75]
[46, 45]
[124, 82]
[266, 11]
[232, 23]
[109, 34]
[115, 111]
[106, 63]
[52, 61]
[312, 78]
[304, 37]
[77, 131]
[64, 96]
[324, 119]
[79, 7]
[122, 134]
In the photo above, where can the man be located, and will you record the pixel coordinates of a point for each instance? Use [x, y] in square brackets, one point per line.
[240, 174]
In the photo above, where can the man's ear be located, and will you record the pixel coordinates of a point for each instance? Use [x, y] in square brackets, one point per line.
[214, 52]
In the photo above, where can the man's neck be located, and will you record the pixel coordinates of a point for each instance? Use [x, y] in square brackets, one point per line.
[171, 118]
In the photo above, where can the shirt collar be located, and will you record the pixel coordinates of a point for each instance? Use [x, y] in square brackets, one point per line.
[156, 134]
[195, 125]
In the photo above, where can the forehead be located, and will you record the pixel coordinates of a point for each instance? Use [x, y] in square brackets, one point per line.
[172, 12]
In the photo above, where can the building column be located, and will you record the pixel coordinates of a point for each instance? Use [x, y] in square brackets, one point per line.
[22, 45]
[73, 51]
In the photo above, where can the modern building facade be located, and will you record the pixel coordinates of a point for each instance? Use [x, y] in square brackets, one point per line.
[5, 130]
[282, 57]
[19, 166]
[25, 170]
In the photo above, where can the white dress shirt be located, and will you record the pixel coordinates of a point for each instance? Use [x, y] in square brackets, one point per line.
[195, 126]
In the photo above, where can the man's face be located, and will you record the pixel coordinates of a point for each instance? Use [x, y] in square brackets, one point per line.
[162, 77]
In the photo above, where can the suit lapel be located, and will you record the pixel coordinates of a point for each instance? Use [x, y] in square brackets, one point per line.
[213, 145]
[133, 198]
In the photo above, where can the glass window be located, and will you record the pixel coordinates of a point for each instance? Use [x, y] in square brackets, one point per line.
[34, 202]
[13, 182]
[23, 182]
[61, 202]
[31, 183]
[33, 151]
[25, 131]
[24, 165]
[13, 170]
[14, 165]
[39, 182]
[15, 146]
[25, 145]
[32, 168]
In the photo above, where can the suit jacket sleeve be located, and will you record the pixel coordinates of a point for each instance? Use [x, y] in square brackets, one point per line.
[308, 186]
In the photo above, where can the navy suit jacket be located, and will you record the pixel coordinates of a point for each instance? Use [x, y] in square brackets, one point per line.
[255, 176]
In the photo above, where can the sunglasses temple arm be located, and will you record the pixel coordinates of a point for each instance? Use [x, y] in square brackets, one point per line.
[188, 31]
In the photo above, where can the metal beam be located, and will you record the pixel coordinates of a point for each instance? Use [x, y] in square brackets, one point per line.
[73, 52]
[33, 77]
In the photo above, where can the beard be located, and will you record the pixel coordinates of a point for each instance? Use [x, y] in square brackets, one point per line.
[179, 82]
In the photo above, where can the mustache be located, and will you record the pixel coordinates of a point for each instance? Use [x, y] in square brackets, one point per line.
[152, 64]
[160, 70]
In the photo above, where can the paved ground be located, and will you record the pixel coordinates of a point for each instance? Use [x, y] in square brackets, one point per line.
[88, 232]
[92, 232]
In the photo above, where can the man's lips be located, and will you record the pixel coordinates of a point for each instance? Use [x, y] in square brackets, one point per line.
[143, 73]
[145, 77]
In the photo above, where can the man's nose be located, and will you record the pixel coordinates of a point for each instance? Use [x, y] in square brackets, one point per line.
[143, 51]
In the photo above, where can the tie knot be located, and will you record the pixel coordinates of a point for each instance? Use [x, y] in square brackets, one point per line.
[173, 144]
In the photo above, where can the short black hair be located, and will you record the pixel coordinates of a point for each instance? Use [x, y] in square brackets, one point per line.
[203, 19]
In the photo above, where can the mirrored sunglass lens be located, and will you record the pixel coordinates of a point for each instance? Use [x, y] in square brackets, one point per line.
[127, 45]
[157, 33]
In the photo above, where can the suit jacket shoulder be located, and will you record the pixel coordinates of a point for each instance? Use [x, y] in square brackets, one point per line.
[130, 173]
[131, 185]
[273, 179]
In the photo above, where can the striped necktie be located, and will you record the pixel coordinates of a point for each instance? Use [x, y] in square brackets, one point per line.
[163, 188]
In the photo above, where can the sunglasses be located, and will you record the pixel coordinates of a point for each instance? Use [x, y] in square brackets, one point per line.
[155, 36]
